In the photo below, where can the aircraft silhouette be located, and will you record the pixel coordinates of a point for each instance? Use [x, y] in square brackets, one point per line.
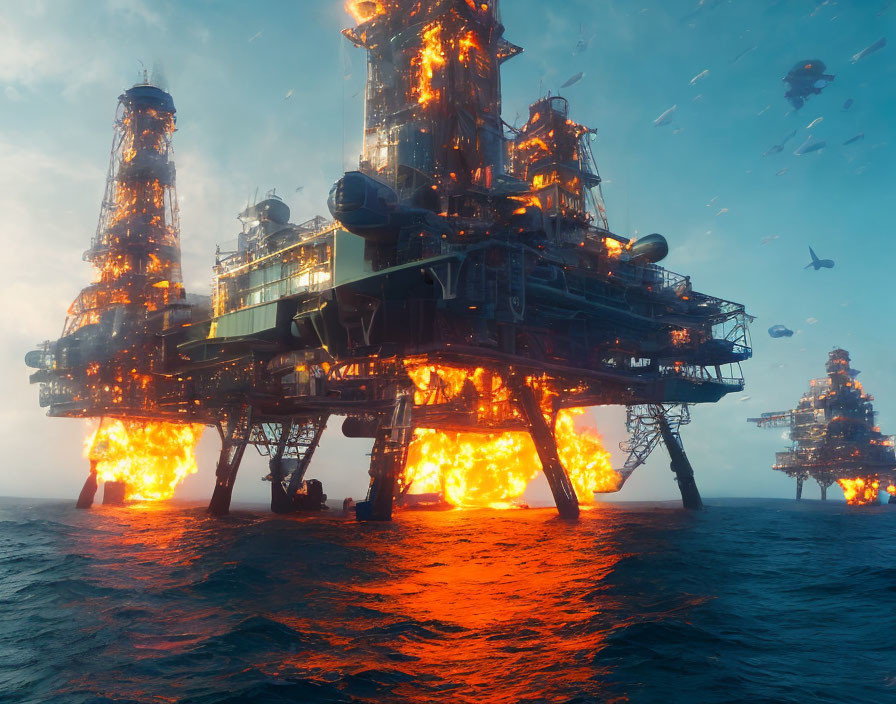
[819, 263]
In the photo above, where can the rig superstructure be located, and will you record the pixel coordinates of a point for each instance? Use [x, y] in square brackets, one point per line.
[834, 437]
[468, 283]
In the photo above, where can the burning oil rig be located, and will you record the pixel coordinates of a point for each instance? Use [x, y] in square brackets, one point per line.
[468, 291]
[835, 439]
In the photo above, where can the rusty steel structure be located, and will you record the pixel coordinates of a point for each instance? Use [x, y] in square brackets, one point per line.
[834, 437]
[468, 280]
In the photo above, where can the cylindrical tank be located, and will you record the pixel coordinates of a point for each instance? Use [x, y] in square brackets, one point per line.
[649, 249]
[364, 206]
[274, 210]
[354, 427]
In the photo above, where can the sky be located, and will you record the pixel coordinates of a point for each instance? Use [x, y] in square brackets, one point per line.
[739, 223]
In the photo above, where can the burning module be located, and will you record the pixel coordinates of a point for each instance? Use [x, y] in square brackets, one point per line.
[465, 303]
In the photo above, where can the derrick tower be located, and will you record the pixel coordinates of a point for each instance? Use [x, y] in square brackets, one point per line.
[136, 249]
[137, 289]
[109, 363]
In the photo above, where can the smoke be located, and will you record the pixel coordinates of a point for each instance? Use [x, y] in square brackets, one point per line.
[158, 77]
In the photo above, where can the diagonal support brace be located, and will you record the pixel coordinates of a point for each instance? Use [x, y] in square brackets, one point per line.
[546, 445]
[234, 438]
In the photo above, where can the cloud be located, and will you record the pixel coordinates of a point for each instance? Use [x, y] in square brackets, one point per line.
[32, 52]
[40, 243]
[135, 11]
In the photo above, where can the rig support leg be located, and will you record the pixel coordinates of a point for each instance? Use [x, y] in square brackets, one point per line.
[824, 490]
[681, 465]
[298, 475]
[234, 439]
[892, 499]
[88, 491]
[280, 502]
[387, 462]
[546, 445]
[799, 488]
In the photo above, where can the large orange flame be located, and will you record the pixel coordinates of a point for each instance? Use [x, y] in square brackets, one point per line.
[431, 57]
[860, 491]
[151, 458]
[364, 10]
[493, 469]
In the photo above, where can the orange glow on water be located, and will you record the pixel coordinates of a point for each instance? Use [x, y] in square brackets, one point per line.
[860, 491]
[151, 458]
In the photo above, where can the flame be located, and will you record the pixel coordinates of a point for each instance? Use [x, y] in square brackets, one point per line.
[431, 57]
[891, 490]
[860, 491]
[466, 44]
[475, 469]
[151, 458]
[364, 10]
[614, 247]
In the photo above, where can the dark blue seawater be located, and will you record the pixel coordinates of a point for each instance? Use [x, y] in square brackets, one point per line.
[749, 601]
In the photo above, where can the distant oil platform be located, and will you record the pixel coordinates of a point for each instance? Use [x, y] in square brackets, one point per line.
[464, 302]
[835, 438]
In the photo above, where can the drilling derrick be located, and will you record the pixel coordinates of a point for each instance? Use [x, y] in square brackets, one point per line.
[834, 437]
[466, 302]
[107, 363]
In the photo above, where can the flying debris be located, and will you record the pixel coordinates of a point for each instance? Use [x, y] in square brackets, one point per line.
[847, 104]
[809, 146]
[572, 80]
[770, 238]
[778, 331]
[868, 50]
[702, 6]
[722, 212]
[744, 399]
[700, 76]
[816, 121]
[777, 148]
[299, 189]
[806, 78]
[666, 117]
[817, 263]
[763, 111]
[255, 36]
[782, 172]
[853, 140]
[291, 92]
[818, 5]
[584, 42]
[742, 54]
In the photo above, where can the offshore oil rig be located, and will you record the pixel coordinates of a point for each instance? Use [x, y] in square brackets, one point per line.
[835, 438]
[467, 283]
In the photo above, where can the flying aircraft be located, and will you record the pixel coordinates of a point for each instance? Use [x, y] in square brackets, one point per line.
[819, 263]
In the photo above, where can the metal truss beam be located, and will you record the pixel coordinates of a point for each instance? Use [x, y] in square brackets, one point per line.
[234, 438]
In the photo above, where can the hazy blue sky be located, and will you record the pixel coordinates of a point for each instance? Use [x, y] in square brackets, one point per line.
[230, 65]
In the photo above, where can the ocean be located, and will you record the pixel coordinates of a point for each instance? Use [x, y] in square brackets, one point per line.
[747, 601]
